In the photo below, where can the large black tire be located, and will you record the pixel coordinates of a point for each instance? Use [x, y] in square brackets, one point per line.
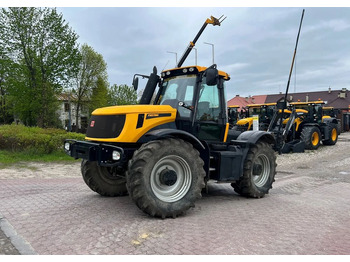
[259, 171]
[333, 137]
[311, 135]
[105, 181]
[165, 177]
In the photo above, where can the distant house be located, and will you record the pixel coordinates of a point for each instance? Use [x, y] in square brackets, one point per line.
[242, 102]
[67, 114]
[338, 99]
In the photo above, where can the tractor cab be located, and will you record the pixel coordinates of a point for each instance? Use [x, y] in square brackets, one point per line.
[265, 113]
[197, 93]
[310, 112]
[233, 114]
[328, 111]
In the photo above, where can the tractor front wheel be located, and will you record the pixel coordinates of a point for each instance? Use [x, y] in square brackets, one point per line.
[311, 135]
[165, 177]
[106, 181]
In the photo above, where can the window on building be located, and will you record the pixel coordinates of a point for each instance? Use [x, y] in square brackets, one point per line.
[66, 107]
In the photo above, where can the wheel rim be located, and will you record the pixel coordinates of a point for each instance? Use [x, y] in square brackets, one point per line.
[261, 170]
[315, 139]
[334, 134]
[171, 178]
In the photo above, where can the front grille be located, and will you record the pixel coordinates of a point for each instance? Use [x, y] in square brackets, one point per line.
[109, 126]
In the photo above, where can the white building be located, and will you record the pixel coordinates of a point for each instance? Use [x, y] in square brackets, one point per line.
[67, 114]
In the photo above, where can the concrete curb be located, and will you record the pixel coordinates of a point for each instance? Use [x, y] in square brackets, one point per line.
[23, 246]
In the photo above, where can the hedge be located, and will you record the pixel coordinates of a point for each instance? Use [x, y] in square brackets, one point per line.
[42, 141]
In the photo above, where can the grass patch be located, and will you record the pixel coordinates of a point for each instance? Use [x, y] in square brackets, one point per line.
[19, 143]
[17, 138]
[8, 158]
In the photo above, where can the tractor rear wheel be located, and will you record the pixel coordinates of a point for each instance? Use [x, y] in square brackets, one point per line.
[165, 177]
[333, 135]
[259, 171]
[311, 135]
[105, 181]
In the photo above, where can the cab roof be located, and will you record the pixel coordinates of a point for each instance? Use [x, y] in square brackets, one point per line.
[188, 70]
[259, 105]
[307, 103]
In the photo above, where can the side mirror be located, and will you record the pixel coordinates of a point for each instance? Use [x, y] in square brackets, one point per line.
[135, 83]
[211, 75]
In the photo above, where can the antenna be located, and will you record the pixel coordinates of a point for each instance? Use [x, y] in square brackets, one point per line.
[165, 65]
[290, 74]
[295, 75]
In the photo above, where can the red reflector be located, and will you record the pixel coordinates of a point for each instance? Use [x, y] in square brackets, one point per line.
[92, 123]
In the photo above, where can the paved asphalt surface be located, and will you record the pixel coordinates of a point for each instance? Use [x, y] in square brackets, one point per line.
[306, 212]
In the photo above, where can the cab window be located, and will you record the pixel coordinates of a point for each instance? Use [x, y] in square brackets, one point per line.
[208, 103]
[178, 89]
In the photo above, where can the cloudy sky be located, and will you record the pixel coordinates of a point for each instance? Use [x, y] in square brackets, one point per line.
[255, 45]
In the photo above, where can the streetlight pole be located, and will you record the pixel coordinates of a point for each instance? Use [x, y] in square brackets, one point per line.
[212, 47]
[175, 56]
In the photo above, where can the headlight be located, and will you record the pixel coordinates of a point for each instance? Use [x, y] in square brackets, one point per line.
[67, 146]
[115, 155]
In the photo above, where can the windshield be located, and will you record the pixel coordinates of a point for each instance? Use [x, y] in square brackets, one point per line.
[178, 89]
[254, 111]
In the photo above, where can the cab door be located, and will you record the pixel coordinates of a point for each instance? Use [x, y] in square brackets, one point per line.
[209, 118]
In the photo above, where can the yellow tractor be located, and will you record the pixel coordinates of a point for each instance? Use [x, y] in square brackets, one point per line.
[163, 154]
[314, 127]
[308, 126]
[263, 111]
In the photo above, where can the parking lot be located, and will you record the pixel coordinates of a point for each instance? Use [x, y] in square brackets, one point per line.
[47, 209]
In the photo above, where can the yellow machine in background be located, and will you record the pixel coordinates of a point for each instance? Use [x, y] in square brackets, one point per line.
[265, 113]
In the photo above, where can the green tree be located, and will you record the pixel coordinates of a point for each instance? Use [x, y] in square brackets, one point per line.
[99, 94]
[92, 67]
[5, 107]
[45, 52]
[122, 95]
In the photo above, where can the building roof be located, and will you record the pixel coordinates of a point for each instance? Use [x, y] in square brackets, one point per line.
[244, 101]
[335, 98]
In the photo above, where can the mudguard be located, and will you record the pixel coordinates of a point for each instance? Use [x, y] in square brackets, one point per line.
[254, 136]
[330, 120]
[166, 132]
